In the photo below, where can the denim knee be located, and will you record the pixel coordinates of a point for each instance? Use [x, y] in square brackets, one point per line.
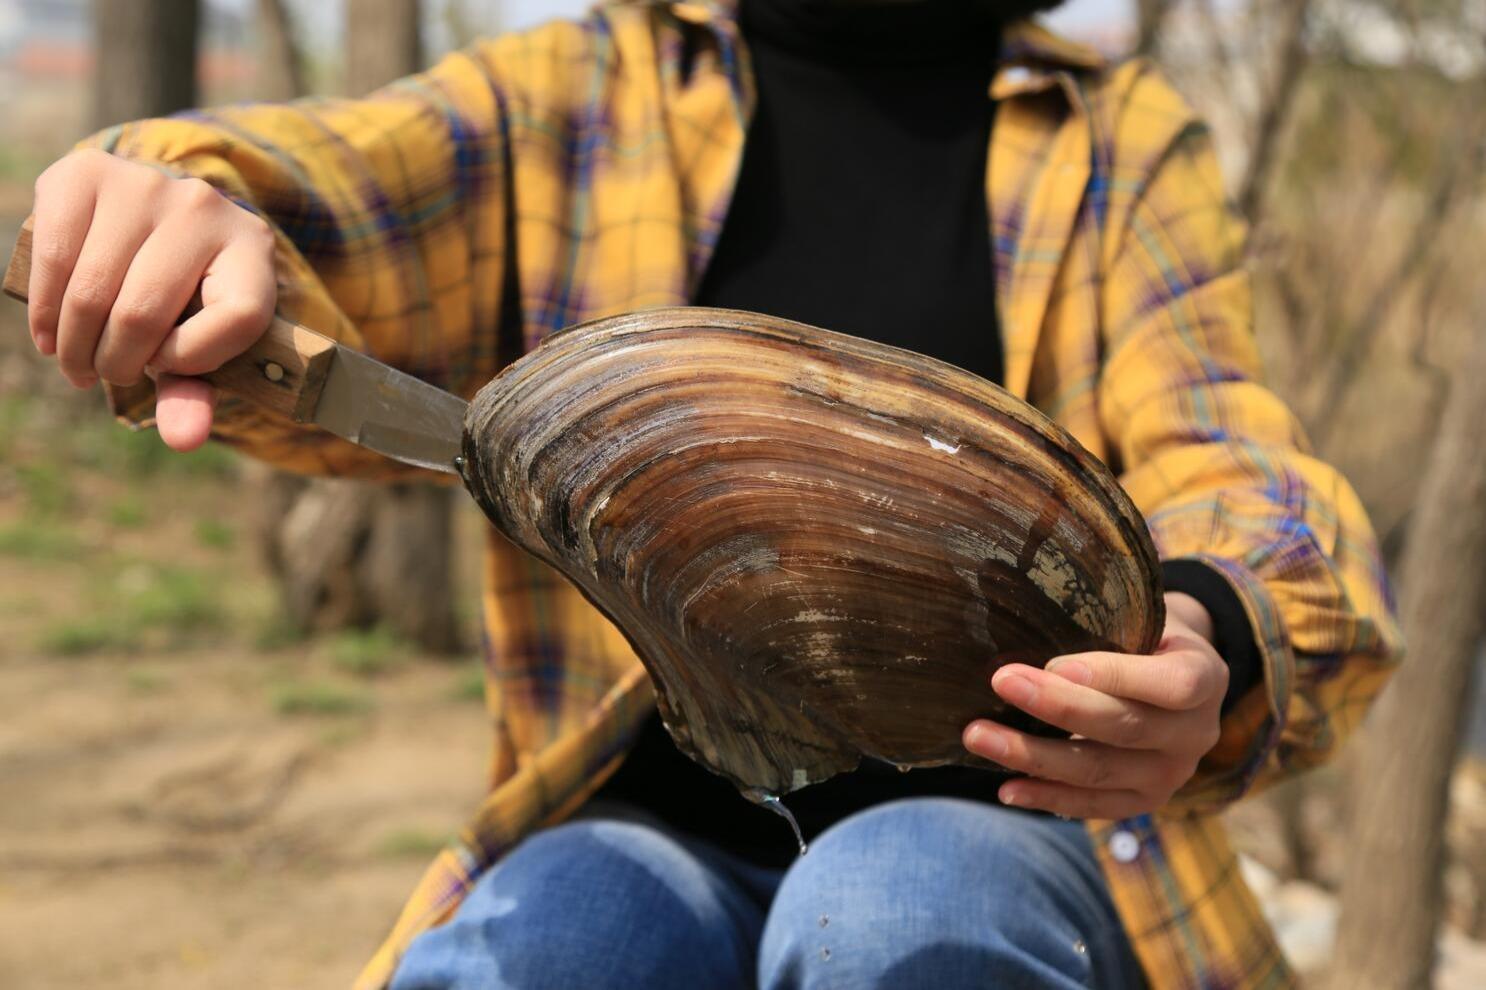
[943, 893]
[591, 904]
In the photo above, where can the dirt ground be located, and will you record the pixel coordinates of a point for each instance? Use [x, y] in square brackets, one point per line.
[188, 836]
[188, 796]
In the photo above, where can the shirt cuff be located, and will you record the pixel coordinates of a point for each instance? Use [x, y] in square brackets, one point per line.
[1233, 636]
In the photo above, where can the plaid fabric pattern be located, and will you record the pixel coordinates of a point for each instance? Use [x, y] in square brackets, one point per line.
[449, 222]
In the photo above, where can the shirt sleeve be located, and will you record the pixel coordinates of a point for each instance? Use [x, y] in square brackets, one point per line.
[391, 216]
[1223, 471]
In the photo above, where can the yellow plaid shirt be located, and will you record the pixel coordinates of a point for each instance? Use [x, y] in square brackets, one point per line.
[451, 221]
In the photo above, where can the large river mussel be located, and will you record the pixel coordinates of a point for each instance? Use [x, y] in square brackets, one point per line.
[820, 547]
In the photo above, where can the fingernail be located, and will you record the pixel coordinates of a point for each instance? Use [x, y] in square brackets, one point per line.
[1008, 795]
[1016, 689]
[989, 742]
[46, 343]
[151, 372]
[1070, 670]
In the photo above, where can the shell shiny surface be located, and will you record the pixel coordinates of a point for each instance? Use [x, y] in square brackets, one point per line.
[821, 547]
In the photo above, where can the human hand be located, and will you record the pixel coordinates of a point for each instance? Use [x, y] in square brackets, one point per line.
[118, 251]
[1140, 724]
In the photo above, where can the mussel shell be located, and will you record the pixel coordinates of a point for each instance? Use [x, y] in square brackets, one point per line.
[821, 547]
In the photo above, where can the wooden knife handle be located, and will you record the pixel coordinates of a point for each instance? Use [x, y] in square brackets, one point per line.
[282, 373]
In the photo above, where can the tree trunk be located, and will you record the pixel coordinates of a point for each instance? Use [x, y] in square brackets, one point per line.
[1275, 110]
[347, 553]
[383, 43]
[1391, 894]
[408, 568]
[350, 554]
[1150, 16]
[280, 68]
[146, 51]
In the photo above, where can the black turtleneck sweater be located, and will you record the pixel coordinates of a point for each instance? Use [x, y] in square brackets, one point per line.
[860, 206]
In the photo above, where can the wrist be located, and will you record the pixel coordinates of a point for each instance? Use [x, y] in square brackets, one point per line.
[1232, 634]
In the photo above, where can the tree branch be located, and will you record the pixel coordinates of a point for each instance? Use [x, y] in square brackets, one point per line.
[281, 71]
[1461, 170]
[1150, 17]
[1275, 110]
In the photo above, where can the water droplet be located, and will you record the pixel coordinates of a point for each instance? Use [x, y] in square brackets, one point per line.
[772, 802]
[1079, 947]
[825, 954]
[825, 919]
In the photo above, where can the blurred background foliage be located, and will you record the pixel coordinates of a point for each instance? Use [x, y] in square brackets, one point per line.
[175, 740]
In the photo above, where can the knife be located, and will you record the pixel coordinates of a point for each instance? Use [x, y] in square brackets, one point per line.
[309, 378]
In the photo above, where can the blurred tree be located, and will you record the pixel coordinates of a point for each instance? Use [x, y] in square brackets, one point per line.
[384, 41]
[1274, 109]
[1355, 135]
[280, 64]
[146, 52]
[1455, 181]
[460, 27]
[347, 553]
[1150, 17]
[352, 554]
[1391, 894]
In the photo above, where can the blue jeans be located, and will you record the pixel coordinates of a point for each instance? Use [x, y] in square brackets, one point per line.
[928, 892]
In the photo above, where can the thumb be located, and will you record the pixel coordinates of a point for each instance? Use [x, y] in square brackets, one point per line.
[183, 411]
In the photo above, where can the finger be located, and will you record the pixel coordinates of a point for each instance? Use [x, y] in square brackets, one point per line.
[104, 260]
[183, 411]
[1081, 710]
[1074, 802]
[1080, 762]
[160, 282]
[1177, 680]
[1186, 616]
[59, 228]
[238, 295]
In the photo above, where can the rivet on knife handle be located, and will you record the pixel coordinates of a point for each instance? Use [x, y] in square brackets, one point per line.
[283, 372]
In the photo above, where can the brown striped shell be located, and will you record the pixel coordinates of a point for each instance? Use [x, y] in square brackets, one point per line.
[821, 547]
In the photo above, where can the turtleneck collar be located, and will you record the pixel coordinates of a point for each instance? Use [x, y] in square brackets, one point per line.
[876, 31]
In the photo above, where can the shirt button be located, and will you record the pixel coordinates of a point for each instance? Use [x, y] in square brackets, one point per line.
[1124, 846]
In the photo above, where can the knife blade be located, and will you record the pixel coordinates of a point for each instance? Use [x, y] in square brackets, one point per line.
[312, 379]
[391, 412]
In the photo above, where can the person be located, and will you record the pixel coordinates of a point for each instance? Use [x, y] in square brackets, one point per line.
[943, 175]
